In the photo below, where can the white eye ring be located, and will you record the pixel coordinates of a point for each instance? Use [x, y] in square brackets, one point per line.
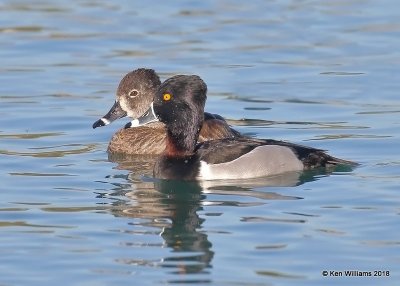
[133, 93]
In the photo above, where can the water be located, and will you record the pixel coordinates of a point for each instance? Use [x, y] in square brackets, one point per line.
[320, 73]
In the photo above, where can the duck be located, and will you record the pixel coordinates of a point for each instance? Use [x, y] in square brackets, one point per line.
[179, 104]
[134, 95]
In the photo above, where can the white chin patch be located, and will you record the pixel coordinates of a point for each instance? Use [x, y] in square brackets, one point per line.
[105, 121]
[134, 123]
[125, 107]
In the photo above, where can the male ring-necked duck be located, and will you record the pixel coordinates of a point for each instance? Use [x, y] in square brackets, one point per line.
[134, 96]
[179, 103]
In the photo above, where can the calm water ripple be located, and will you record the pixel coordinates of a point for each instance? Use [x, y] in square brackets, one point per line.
[320, 73]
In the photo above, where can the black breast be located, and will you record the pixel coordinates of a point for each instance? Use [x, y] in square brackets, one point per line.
[177, 168]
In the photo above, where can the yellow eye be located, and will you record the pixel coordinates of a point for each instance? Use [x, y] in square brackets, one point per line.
[167, 96]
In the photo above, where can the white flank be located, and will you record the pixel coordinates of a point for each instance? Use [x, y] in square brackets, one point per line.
[262, 161]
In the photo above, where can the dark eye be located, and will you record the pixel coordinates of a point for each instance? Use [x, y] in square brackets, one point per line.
[133, 93]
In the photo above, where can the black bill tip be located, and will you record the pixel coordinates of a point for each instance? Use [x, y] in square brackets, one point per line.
[99, 123]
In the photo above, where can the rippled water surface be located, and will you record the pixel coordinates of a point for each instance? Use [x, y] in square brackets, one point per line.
[319, 73]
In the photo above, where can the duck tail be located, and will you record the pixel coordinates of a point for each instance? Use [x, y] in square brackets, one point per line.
[337, 161]
[339, 165]
[321, 159]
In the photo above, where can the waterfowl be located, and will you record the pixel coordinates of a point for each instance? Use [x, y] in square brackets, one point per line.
[179, 104]
[134, 95]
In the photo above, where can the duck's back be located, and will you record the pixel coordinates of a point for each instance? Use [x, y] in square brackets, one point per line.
[215, 127]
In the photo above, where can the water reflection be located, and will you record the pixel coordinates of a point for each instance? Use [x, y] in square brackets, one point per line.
[52, 151]
[184, 234]
[175, 211]
[171, 207]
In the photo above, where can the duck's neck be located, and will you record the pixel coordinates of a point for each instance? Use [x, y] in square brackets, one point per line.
[182, 143]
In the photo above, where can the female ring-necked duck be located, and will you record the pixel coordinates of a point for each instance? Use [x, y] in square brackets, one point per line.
[179, 103]
[134, 96]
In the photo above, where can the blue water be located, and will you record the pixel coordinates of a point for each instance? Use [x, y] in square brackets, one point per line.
[319, 73]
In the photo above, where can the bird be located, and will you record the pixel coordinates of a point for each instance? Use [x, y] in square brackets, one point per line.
[134, 95]
[179, 104]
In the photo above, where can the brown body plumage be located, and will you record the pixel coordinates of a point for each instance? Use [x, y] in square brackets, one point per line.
[150, 139]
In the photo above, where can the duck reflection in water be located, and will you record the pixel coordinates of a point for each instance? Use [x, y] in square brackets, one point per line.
[173, 209]
[184, 235]
[177, 210]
